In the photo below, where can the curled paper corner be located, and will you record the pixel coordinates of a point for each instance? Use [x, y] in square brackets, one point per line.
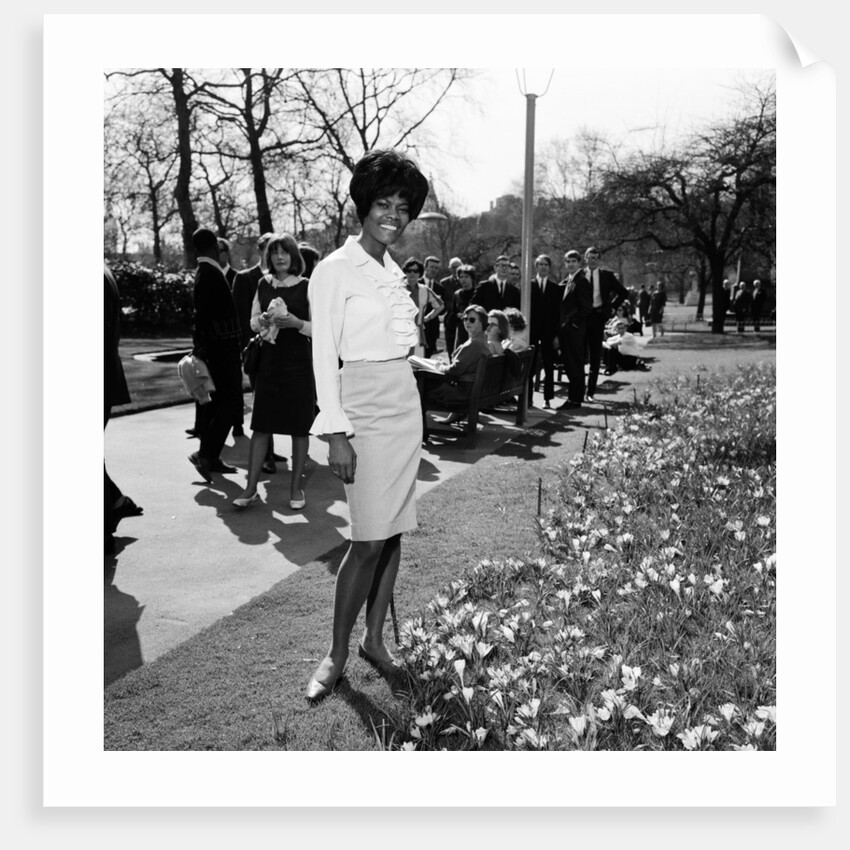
[793, 49]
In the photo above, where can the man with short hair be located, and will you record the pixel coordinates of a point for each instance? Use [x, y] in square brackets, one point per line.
[544, 322]
[430, 278]
[607, 294]
[515, 275]
[215, 337]
[496, 292]
[576, 307]
[450, 285]
[224, 261]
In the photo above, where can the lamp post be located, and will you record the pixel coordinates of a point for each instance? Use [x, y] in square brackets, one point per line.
[528, 193]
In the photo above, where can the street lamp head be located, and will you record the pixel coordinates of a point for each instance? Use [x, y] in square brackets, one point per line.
[531, 81]
[433, 216]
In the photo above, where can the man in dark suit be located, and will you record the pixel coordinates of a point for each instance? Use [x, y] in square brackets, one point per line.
[576, 307]
[544, 322]
[607, 294]
[430, 278]
[450, 285]
[116, 506]
[215, 336]
[224, 261]
[497, 292]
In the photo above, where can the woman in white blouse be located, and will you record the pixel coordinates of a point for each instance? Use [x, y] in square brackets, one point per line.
[369, 410]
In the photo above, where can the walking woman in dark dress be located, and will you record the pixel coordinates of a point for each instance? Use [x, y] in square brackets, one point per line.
[284, 395]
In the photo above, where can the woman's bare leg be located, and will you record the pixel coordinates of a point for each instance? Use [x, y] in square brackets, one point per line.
[299, 461]
[378, 600]
[256, 456]
[353, 583]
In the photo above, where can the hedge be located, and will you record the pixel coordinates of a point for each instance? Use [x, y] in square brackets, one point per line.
[153, 297]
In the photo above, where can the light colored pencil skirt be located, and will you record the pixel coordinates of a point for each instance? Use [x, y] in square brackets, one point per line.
[382, 402]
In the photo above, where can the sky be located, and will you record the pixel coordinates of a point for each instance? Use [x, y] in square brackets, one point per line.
[485, 153]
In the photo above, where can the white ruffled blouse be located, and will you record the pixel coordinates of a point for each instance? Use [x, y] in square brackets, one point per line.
[360, 310]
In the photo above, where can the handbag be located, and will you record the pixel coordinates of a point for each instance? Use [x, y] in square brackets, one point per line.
[251, 356]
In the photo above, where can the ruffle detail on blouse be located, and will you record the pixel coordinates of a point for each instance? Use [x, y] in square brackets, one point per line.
[403, 311]
[331, 422]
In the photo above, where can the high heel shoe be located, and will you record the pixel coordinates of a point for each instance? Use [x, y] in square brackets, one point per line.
[391, 664]
[317, 691]
[247, 501]
[298, 504]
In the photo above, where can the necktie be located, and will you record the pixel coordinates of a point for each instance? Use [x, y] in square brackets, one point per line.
[501, 290]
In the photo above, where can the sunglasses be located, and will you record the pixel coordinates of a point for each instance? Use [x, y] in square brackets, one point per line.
[470, 319]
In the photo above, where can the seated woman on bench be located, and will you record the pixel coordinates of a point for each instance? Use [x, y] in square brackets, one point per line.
[461, 371]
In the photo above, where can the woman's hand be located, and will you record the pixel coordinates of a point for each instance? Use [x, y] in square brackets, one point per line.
[342, 458]
[288, 321]
[264, 320]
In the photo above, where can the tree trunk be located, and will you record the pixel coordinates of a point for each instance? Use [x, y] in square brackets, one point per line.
[264, 215]
[718, 296]
[184, 173]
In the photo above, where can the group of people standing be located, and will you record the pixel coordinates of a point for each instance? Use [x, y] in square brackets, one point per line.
[745, 303]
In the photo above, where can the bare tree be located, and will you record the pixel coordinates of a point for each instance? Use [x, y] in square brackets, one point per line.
[715, 195]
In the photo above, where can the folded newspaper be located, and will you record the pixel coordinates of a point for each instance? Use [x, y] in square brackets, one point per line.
[435, 366]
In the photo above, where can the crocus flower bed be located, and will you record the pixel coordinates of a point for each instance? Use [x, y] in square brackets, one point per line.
[649, 623]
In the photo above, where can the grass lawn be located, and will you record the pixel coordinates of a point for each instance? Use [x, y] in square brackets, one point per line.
[239, 684]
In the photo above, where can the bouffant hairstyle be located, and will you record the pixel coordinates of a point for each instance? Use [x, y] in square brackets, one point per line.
[381, 173]
[466, 268]
[310, 255]
[288, 243]
[502, 319]
[515, 319]
[412, 264]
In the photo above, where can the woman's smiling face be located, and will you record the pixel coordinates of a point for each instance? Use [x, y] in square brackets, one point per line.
[384, 223]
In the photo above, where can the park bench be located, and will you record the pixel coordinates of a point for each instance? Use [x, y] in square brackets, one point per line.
[498, 381]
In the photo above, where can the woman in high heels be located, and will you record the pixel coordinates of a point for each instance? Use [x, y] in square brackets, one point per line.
[284, 398]
[369, 409]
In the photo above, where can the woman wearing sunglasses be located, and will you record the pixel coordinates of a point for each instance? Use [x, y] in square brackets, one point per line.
[455, 384]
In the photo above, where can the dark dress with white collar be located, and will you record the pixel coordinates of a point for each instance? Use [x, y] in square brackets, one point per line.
[284, 393]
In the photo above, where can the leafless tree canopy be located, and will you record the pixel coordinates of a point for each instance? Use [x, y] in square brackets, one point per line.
[247, 150]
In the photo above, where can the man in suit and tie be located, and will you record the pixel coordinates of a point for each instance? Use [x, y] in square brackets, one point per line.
[576, 307]
[215, 336]
[450, 285]
[224, 261]
[430, 278]
[544, 322]
[497, 292]
[607, 293]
